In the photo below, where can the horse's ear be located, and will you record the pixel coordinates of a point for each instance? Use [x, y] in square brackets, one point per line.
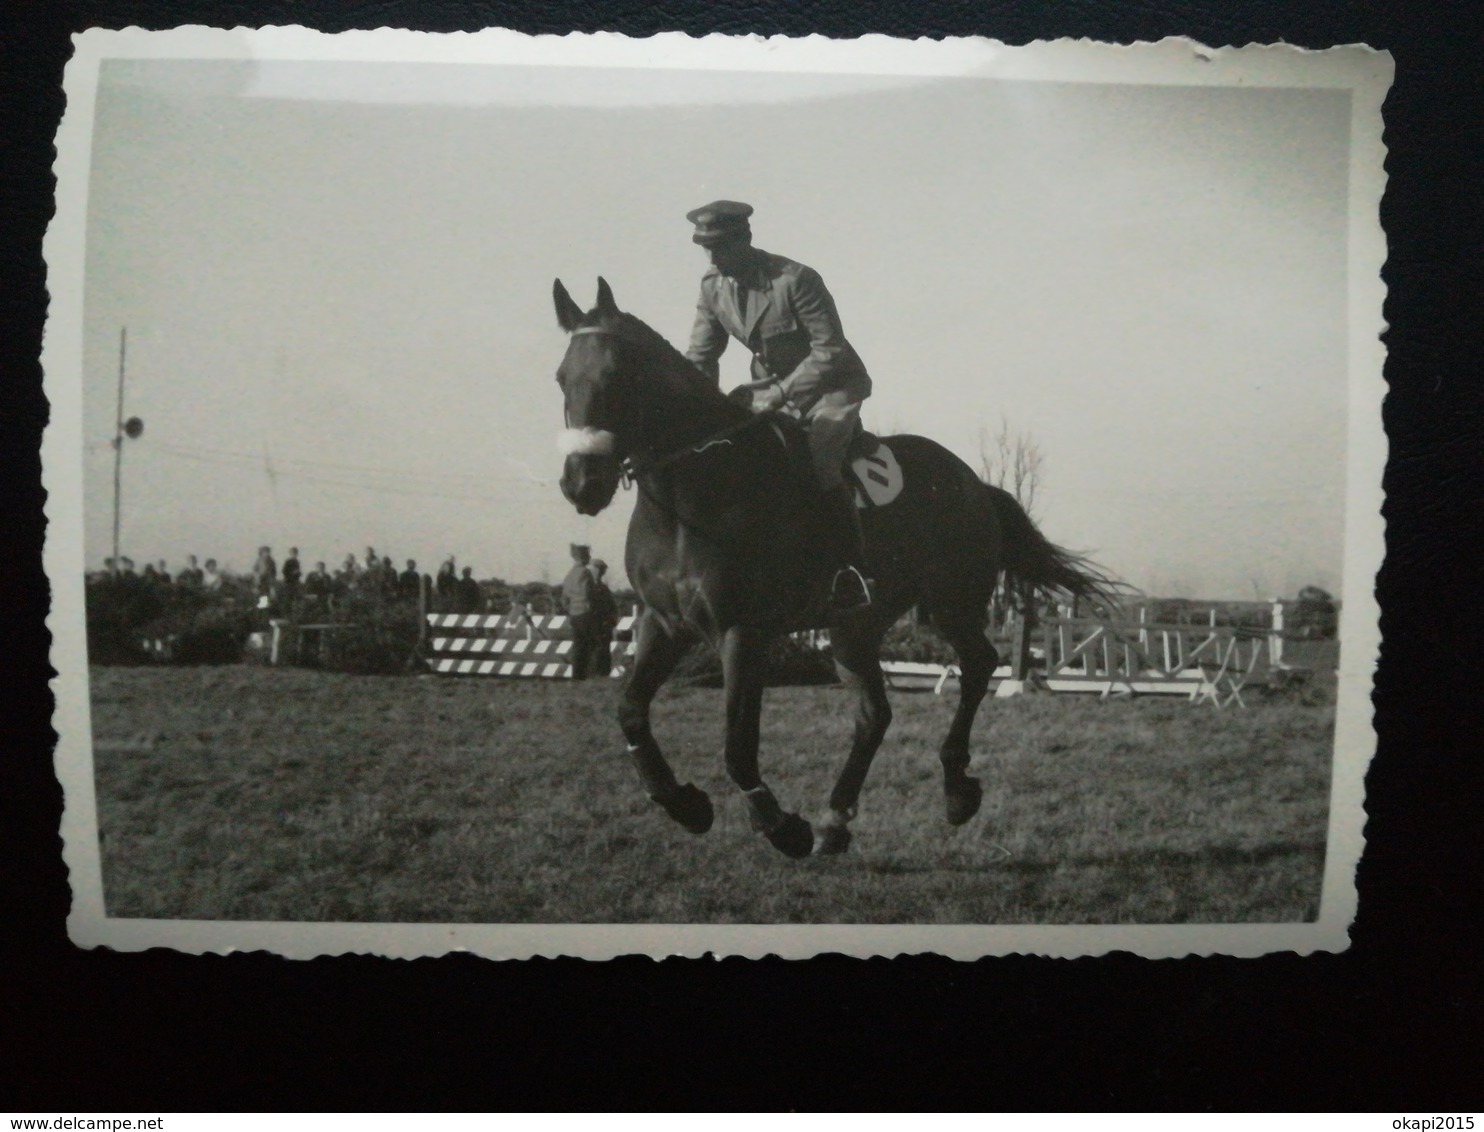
[606, 305]
[569, 314]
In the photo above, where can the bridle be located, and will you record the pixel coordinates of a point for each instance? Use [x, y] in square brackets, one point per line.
[632, 467]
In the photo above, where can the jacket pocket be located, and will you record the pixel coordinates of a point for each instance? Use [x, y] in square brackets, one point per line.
[778, 324]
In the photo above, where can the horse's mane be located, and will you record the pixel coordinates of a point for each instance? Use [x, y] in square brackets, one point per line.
[670, 365]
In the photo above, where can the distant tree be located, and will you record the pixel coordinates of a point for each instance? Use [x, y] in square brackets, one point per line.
[1012, 461]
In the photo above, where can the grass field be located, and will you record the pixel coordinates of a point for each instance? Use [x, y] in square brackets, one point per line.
[246, 793]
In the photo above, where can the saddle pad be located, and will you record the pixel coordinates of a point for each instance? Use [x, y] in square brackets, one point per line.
[878, 478]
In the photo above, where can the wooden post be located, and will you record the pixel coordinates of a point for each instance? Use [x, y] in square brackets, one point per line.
[1020, 680]
[275, 647]
[1275, 635]
[1020, 647]
[424, 599]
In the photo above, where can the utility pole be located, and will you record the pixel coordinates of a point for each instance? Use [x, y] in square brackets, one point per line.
[118, 448]
[130, 429]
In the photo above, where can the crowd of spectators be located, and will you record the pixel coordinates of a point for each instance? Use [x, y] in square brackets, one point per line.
[289, 588]
[153, 609]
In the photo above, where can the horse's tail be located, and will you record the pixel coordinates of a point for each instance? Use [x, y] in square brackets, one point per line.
[1032, 560]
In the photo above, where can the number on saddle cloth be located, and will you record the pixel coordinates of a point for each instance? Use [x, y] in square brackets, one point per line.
[873, 468]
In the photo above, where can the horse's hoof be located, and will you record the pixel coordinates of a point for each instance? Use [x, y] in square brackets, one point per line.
[831, 839]
[690, 806]
[792, 837]
[962, 799]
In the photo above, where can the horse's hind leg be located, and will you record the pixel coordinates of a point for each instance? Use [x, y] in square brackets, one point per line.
[655, 655]
[743, 657]
[977, 660]
[856, 654]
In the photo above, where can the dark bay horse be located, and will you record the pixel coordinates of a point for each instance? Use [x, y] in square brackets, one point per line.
[723, 545]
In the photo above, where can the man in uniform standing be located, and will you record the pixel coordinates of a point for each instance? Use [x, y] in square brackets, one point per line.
[577, 596]
[801, 363]
[604, 610]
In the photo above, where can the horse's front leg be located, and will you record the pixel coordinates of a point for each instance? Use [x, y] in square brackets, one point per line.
[655, 655]
[743, 658]
[856, 655]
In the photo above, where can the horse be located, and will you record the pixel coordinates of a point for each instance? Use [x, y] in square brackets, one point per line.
[723, 544]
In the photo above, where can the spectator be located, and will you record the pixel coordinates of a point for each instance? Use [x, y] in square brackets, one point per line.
[446, 583]
[372, 561]
[265, 572]
[467, 597]
[386, 577]
[409, 582]
[605, 620]
[163, 573]
[191, 577]
[577, 589]
[319, 585]
[347, 577]
[126, 567]
[291, 575]
[211, 578]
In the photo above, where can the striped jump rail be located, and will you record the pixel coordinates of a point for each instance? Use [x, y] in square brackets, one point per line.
[497, 644]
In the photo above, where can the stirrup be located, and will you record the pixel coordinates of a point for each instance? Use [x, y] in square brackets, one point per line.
[849, 590]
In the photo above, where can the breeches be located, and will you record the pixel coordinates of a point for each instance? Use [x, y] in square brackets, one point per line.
[832, 424]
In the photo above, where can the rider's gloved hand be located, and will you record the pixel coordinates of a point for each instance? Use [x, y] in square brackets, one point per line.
[767, 398]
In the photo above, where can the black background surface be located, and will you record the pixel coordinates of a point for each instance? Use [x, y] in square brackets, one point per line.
[1394, 1023]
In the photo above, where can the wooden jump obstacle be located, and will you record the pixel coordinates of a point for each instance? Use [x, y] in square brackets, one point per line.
[499, 644]
[1205, 663]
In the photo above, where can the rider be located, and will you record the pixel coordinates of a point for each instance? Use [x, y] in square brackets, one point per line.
[801, 362]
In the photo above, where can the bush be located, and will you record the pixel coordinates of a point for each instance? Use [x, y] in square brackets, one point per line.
[794, 662]
[1313, 617]
[215, 635]
[916, 643]
[123, 613]
[115, 607]
[380, 637]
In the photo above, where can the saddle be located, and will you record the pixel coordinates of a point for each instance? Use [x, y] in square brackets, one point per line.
[863, 446]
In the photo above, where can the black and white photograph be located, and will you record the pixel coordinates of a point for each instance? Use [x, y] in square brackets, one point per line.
[589, 496]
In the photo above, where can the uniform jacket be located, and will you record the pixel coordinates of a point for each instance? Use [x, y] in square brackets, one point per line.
[783, 313]
[577, 590]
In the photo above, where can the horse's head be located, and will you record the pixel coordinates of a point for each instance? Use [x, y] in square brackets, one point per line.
[602, 412]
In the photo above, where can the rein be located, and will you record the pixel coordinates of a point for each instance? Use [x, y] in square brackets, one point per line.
[634, 467]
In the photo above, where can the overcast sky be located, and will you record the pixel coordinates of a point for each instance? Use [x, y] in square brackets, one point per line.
[336, 282]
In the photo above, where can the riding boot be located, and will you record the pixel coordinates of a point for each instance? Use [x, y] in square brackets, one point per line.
[850, 589]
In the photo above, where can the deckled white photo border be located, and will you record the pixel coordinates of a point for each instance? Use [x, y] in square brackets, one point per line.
[1365, 73]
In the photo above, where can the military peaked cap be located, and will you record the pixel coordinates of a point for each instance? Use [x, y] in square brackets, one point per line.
[719, 222]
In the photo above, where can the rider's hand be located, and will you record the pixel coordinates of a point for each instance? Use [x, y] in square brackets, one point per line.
[768, 398]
